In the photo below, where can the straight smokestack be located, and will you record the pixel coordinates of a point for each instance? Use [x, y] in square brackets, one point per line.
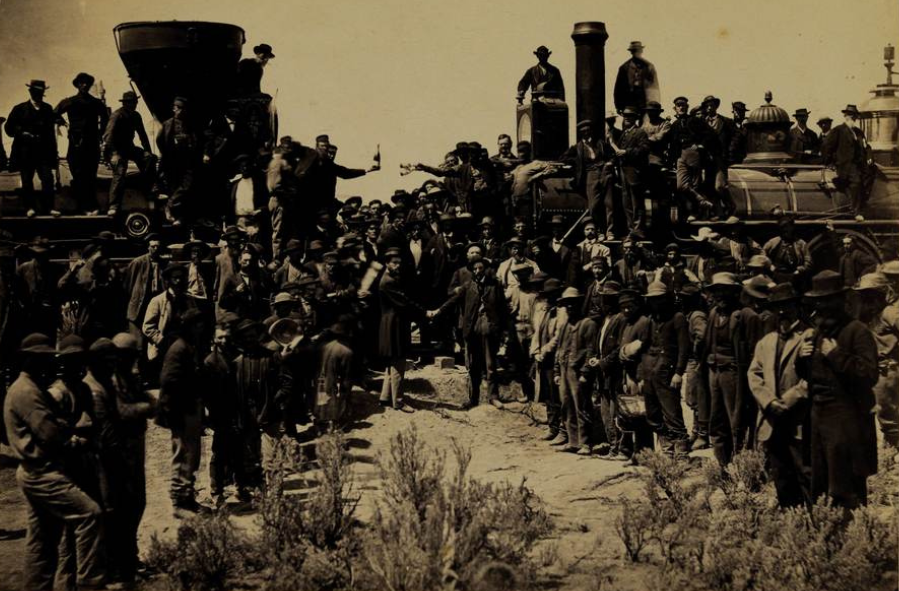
[590, 59]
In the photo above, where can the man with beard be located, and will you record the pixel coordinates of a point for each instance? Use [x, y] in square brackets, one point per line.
[804, 143]
[722, 346]
[394, 336]
[32, 126]
[664, 364]
[674, 272]
[247, 293]
[588, 249]
[782, 398]
[718, 159]
[485, 320]
[166, 311]
[606, 368]
[634, 340]
[630, 270]
[874, 292]
[854, 262]
[576, 341]
[593, 297]
[838, 360]
[632, 154]
[226, 261]
[847, 151]
[179, 157]
[789, 254]
[690, 138]
[87, 121]
[143, 281]
[507, 278]
[593, 175]
[547, 318]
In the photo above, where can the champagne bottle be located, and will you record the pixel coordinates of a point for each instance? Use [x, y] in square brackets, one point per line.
[376, 161]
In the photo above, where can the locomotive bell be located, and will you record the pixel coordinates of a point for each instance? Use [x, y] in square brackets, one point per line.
[769, 133]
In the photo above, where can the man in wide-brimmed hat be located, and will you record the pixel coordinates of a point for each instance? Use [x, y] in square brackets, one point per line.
[879, 310]
[32, 125]
[847, 151]
[804, 143]
[507, 278]
[740, 140]
[119, 148]
[789, 254]
[663, 366]
[723, 353]
[42, 436]
[543, 79]
[87, 121]
[838, 360]
[250, 70]
[546, 320]
[576, 337]
[165, 311]
[782, 398]
[824, 123]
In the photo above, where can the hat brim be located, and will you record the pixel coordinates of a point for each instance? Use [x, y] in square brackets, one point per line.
[723, 286]
[578, 298]
[818, 294]
[38, 350]
[782, 301]
[755, 293]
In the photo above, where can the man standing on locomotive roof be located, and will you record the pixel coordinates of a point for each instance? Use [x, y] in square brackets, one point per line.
[804, 143]
[32, 126]
[632, 151]
[249, 70]
[119, 148]
[544, 79]
[637, 82]
[88, 116]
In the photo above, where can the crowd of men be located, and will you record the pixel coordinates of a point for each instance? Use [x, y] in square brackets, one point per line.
[263, 341]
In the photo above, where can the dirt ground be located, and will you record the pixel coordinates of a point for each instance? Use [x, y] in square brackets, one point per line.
[581, 493]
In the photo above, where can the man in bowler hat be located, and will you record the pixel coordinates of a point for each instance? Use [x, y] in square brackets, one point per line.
[32, 126]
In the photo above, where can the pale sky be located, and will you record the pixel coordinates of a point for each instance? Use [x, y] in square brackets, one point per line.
[418, 76]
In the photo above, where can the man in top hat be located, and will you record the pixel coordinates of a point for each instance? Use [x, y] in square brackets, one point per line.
[180, 154]
[32, 125]
[88, 117]
[782, 398]
[880, 311]
[804, 143]
[249, 70]
[789, 254]
[637, 82]
[593, 173]
[854, 261]
[847, 151]
[543, 79]
[632, 157]
[118, 148]
[577, 339]
[41, 435]
[838, 360]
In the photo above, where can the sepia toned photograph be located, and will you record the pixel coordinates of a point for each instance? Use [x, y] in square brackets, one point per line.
[405, 295]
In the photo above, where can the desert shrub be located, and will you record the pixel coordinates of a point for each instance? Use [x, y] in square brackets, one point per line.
[439, 531]
[207, 555]
[635, 527]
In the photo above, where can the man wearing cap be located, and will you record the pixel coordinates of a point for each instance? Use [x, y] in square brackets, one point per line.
[593, 173]
[143, 281]
[716, 167]
[41, 436]
[854, 261]
[880, 312]
[88, 117]
[577, 338]
[693, 145]
[249, 70]
[782, 398]
[848, 152]
[543, 79]
[118, 148]
[637, 81]
[658, 135]
[838, 360]
[789, 254]
[164, 312]
[804, 143]
[179, 157]
[32, 125]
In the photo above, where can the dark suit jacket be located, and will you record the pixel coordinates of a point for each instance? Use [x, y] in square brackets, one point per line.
[725, 129]
[551, 79]
[802, 141]
[488, 293]
[40, 147]
[845, 149]
[580, 158]
[137, 285]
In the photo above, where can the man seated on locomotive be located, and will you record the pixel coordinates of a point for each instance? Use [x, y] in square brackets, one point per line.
[118, 148]
[689, 136]
[249, 70]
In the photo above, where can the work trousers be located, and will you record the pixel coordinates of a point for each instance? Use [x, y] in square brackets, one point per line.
[696, 395]
[146, 163]
[887, 393]
[187, 433]
[480, 359]
[516, 351]
[833, 447]
[689, 179]
[663, 403]
[600, 199]
[392, 388]
[791, 476]
[41, 202]
[577, 407]
[55, 502]
[608, 410]
[549, 392]
[84, 159]
[633, 198]
[180, 184]
[725, 417]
